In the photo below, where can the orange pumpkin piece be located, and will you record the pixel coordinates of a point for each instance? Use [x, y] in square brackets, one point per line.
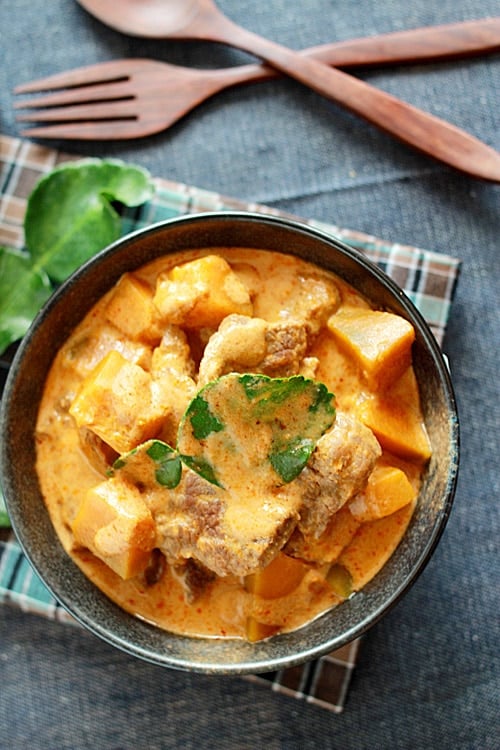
[373, 544]
[114, 402]
[394, 417]
[131, 309]
[380, 342]
[388, 489]
[257, 631]
[279, 578]
[115, 524]
[201, 293]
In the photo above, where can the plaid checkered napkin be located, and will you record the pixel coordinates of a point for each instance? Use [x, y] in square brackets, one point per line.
[427, 277]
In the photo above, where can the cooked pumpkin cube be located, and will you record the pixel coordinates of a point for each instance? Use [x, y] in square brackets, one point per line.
[130, 308]
[201, 293]
[373, 544]
[279, 578]
[257, 631]
[388, 489]
[115, 524]
[114, 401]
[380, 342]
[395, 419]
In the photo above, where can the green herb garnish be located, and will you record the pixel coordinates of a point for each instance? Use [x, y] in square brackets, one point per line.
[256, 421]
[252, 427]
[202, 420]
[152, 462]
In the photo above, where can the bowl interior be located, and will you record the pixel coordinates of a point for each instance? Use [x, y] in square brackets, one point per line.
[27, 509]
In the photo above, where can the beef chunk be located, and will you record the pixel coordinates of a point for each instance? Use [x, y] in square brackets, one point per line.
[230, 535]
[237, 532]
[194, 579]
[338, 469]
[243, 344]
[286, 346]
[237, 346]
[313, 300]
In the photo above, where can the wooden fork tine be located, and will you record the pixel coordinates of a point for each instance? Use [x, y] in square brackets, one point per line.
[96, 111]
[104, 92]
[106, 130]
[88, 74]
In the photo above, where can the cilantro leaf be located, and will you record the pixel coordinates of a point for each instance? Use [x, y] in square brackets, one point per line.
[167, 464]
[202, 467]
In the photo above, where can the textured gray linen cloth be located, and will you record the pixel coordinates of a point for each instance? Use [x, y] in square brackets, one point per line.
[428, 673]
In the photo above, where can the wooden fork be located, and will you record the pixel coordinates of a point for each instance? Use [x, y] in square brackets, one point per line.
[132, 98]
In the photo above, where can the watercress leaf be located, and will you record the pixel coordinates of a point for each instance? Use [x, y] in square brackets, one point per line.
[168, 472]
[70, 217]
[151, 464]
[203, 421]
[202, 467]
[247, 429]
[289, 461]
[23, 290]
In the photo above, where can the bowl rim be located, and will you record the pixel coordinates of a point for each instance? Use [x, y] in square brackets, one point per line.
[247, 663]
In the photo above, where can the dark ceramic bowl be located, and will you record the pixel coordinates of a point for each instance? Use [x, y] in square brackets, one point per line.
[26, 506]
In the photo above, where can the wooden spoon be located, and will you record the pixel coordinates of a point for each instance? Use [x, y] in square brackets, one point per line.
[201, 19]
[425, 44]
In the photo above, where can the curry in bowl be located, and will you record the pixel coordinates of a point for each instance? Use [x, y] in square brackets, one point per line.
[231, 442]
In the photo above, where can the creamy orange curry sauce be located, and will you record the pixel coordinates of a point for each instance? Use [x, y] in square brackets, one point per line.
[253, 554]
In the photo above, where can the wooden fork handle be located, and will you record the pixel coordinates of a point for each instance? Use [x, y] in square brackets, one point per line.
[427, 133]
[427, 44]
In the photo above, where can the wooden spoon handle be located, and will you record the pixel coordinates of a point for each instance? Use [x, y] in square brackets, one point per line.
[427, 133]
